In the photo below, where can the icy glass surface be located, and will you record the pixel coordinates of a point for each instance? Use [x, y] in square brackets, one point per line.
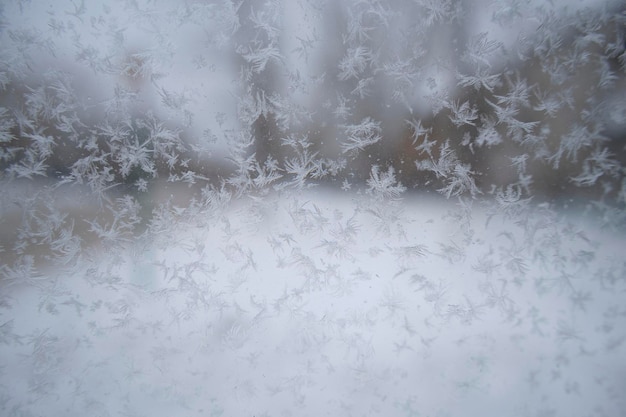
[313, 207]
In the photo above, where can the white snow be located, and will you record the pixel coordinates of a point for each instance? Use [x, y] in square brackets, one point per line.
[314, 304]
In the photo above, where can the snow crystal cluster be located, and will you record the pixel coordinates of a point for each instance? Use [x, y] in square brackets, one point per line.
[312, 207]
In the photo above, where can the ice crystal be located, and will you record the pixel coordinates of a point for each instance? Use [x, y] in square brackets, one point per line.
[312, 207]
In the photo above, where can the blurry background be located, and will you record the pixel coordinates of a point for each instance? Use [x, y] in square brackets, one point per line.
[152, 101]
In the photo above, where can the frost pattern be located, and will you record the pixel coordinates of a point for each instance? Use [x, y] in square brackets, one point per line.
[272, 207]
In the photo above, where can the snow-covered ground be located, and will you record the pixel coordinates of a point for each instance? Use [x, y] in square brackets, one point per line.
[325, 303]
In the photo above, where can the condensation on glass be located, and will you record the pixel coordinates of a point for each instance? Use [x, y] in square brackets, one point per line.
[312, 207]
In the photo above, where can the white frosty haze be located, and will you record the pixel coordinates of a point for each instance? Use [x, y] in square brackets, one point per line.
[323, 303]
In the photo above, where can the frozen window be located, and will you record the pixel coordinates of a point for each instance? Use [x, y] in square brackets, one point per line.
[312, 207]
